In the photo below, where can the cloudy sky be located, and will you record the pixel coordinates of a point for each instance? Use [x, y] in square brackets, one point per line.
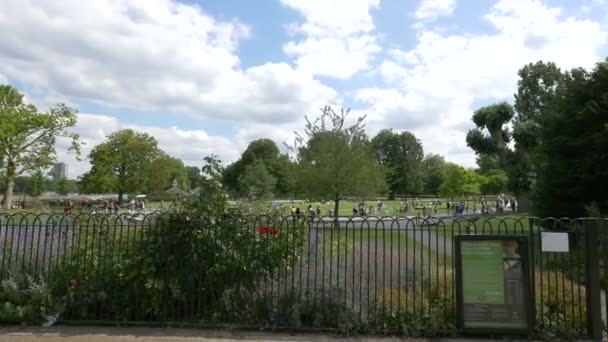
[208, 76]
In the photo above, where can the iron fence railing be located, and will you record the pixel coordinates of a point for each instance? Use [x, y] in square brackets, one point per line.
[373, 274]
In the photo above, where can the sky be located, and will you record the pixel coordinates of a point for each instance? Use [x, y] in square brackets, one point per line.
[208, 76]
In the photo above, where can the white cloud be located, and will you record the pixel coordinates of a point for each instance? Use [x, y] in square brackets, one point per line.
[436, 84]
[338, 39]
[152, 54]
[189, 145]
[431, 10]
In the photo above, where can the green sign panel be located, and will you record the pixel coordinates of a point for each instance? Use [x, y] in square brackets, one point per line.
[493, 283]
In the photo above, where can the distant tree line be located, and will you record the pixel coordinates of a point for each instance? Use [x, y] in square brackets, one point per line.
[549, 149]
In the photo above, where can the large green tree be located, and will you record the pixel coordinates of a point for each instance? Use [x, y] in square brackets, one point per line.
[164, 172]
[459, 181]
[27, 137]
[494, 182]
[573, 150]
[401, 154]
[38, 183]
[194, 176]
[433, 171]
[257, 182]
[124, 164]
[265, 151]
[335, 159]
[535, 98]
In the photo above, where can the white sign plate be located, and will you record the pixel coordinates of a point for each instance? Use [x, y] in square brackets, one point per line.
[554, 242]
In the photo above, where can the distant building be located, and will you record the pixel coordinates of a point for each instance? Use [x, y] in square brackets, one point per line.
[60, 171]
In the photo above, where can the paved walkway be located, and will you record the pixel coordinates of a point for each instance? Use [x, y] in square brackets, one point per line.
[138, 334]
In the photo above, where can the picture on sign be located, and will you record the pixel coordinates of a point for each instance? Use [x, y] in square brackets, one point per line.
[493, 284]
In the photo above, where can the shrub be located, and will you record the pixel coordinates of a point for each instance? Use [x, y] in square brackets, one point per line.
[560, 307]
[315, 308]
[429, 312]
[193, 255]
[26, 298]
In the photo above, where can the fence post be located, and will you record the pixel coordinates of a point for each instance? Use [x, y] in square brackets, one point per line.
[592, 265]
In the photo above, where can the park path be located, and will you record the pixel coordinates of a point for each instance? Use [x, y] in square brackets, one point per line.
[431, 240]
[138, 334]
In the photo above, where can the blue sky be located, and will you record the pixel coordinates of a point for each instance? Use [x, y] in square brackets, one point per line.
[209, 76]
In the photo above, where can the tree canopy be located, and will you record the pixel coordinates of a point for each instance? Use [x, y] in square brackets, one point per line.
[401, 154]
[433, 173]
[459, 181]
[335, 159]
[128, 162]
[266, 152]
[28, 137]
[573, 153]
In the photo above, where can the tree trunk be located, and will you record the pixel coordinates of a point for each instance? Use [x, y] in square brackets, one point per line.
[336, 212]
[391, 196]
[120, 196]
[523, 202]
[9, 184]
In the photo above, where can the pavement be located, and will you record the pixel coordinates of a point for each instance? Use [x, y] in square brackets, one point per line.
[151, 334]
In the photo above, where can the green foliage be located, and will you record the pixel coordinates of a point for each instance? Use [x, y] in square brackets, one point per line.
[266, 153]
[26, 298]
[62, 187]
[28, 137]
[459, 181]
[401, 154]
[320, 308]
[494, 182]
[194, 176]
[572, 158]
[560, 308]
[433, 167]
[38, 184]
[418, 313]
[335, 160]
[195, 245]
[257, 182]
[130, 162]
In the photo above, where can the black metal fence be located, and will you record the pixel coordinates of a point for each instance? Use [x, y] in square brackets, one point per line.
[375, 274]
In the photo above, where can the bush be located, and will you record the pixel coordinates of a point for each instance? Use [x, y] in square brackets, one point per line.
[560, 307]
[26, 298]
[320, 308]
[193, 255]
[427, 313]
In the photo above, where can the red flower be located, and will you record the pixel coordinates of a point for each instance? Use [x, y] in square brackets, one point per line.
[268, 230]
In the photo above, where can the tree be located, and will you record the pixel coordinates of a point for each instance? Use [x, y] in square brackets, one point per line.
[487, 162]
[335, 159]
[266, 152]
[494, 182]
[164, 172]
[535, 98]
[122, 164]
[38, 184]
[573, 149]
[459, 181]
[194, 176]
[62, 187]
[257, 182]
[27, 137]
[401, 154]
[433, 167]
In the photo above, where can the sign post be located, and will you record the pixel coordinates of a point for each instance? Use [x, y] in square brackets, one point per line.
[493, 284]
